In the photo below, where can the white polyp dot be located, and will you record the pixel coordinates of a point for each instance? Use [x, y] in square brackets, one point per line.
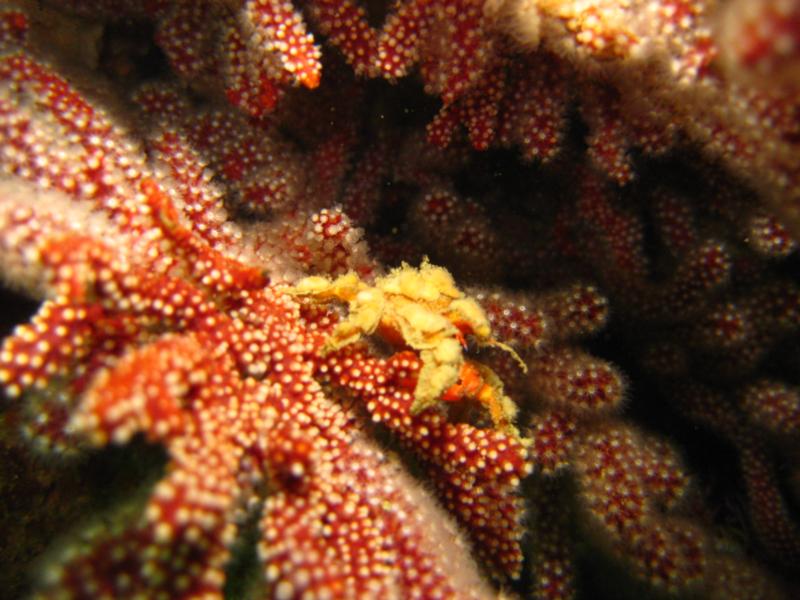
[284, 590]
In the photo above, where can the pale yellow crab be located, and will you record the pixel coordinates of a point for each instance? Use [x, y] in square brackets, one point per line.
[424, 310]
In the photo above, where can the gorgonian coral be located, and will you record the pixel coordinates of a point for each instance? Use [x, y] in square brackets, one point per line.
[223, 212]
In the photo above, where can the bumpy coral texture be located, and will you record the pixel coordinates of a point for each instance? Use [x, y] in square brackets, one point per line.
[423, 299]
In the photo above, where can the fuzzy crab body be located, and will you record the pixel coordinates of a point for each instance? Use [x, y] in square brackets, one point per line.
[421, 309]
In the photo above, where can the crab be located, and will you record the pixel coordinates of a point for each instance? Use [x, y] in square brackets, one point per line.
[422, 309]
